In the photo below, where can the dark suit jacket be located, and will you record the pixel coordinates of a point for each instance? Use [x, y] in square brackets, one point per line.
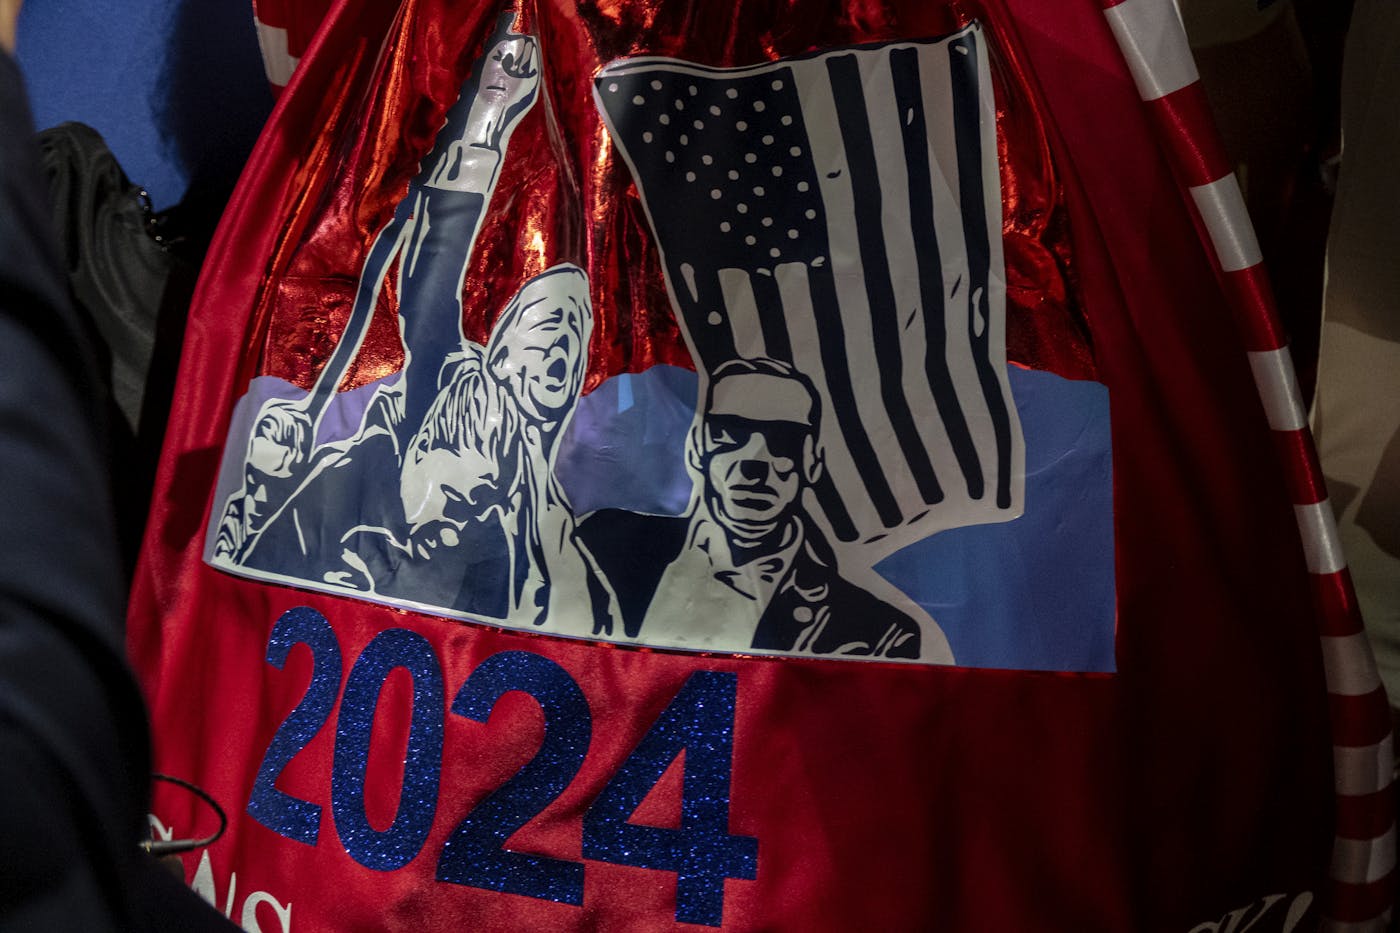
[74, 753]
[633, 551]
[309, 538]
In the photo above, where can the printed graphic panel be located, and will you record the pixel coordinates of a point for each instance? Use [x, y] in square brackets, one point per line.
[829, 227]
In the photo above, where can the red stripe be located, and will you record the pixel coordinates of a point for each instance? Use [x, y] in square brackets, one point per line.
[301, 19]
[1369, 816]
[272, 13]
[1305, 486]
[1187, 129]
[1354, 903]
[1336, 600]
[1252, 299]
[1359, 720]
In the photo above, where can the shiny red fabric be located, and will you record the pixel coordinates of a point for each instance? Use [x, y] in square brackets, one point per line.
[1194, 782]
[577, 203]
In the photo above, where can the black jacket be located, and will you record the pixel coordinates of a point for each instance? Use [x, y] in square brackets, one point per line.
[74, 752]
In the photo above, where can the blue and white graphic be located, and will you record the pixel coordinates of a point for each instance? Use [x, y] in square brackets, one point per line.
[1006, 594]
[828, 227]
[840, 213]
[433, 488]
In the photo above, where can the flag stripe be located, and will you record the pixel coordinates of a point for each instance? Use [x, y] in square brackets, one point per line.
[833, 174]
[715, 337]
[967, 122]
[827, 311]
[876, 505]
[794, 287]
[904, 66]
[770, 317]
[854, 122]
[742, 304]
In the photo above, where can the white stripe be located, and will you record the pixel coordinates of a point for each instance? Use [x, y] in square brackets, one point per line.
[1318, 527]
[743, 313]
[1227, 221]
[1349, 665]
[1362, 861]
[1154, 44]
[1375, 925]
[1368, 769]
[796, 297]
[1278, 388]
[276, 62]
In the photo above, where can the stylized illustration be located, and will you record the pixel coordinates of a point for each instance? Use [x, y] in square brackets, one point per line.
[827, 229]
[825, 220]
[748, 567]
[443, 496]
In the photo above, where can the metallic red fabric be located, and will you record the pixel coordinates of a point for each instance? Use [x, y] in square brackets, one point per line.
[577, 203]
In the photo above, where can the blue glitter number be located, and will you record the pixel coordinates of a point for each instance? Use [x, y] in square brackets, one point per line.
[282, 813]
[475, 853]
[702, 853]
[401, 842]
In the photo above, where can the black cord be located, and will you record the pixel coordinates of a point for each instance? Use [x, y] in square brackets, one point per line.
[160, 847]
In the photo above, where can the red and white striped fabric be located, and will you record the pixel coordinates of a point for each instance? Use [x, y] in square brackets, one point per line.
[1154, 44]
[285, 30]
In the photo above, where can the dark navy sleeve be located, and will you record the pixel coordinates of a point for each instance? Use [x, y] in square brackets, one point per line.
[74, 754]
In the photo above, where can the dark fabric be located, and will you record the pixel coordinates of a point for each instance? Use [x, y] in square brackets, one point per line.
[116, 270]
[73, 736]
[633, 551]
[132, 292]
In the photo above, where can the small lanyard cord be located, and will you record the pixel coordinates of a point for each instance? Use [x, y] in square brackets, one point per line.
[160, 847]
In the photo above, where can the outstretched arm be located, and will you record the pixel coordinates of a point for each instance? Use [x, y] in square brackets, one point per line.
[468, 154]
[451, 200]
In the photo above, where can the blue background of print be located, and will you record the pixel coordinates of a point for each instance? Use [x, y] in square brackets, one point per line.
[1036, 593]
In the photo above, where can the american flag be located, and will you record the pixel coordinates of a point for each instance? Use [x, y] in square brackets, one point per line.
[840, 212]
